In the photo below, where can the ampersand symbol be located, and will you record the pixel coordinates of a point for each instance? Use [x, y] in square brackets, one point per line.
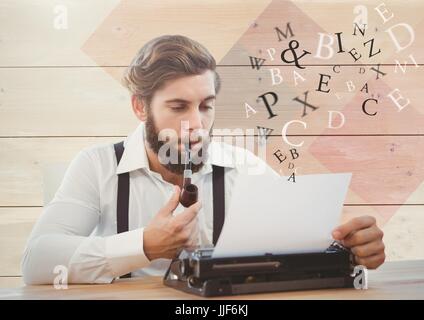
[293, 45]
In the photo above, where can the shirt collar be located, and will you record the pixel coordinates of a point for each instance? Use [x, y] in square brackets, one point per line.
[135, 156]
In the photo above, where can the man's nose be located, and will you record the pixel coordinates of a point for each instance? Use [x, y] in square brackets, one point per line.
[195, 120]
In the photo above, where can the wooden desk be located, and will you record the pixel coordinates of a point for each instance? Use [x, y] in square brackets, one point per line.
[394, 280]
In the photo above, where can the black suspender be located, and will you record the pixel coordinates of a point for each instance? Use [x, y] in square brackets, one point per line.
[218, 186]
[123, 193]
[122, 224]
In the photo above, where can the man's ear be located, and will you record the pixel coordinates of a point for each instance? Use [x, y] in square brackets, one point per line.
[139, 108]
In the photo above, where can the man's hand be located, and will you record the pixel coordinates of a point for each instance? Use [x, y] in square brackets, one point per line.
[166, 235]
[364, 239]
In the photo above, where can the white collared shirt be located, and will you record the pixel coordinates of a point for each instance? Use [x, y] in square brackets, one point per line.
[77, 229]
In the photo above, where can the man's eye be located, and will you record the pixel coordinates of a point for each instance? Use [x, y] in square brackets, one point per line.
[178, 108]
[208, 107]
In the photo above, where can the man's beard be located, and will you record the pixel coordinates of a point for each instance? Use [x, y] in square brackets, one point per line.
[152, 137]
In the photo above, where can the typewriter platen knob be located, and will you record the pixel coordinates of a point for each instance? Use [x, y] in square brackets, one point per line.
[179, 268]
[184, 267]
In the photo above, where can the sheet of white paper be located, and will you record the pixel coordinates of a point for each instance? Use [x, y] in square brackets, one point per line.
[272, 215]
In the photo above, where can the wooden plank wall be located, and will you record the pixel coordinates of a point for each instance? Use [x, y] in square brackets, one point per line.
[60, 92]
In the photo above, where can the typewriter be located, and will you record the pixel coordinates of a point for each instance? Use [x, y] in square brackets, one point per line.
[196, 272]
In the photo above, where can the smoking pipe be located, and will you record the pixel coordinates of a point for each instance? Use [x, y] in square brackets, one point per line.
[189, 194]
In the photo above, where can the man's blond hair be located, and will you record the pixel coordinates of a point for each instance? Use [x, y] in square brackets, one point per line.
[166, 58]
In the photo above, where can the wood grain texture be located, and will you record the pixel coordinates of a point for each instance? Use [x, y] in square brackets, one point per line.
[11, 282]
[60, 92]
[51, 47]
[393, 280]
